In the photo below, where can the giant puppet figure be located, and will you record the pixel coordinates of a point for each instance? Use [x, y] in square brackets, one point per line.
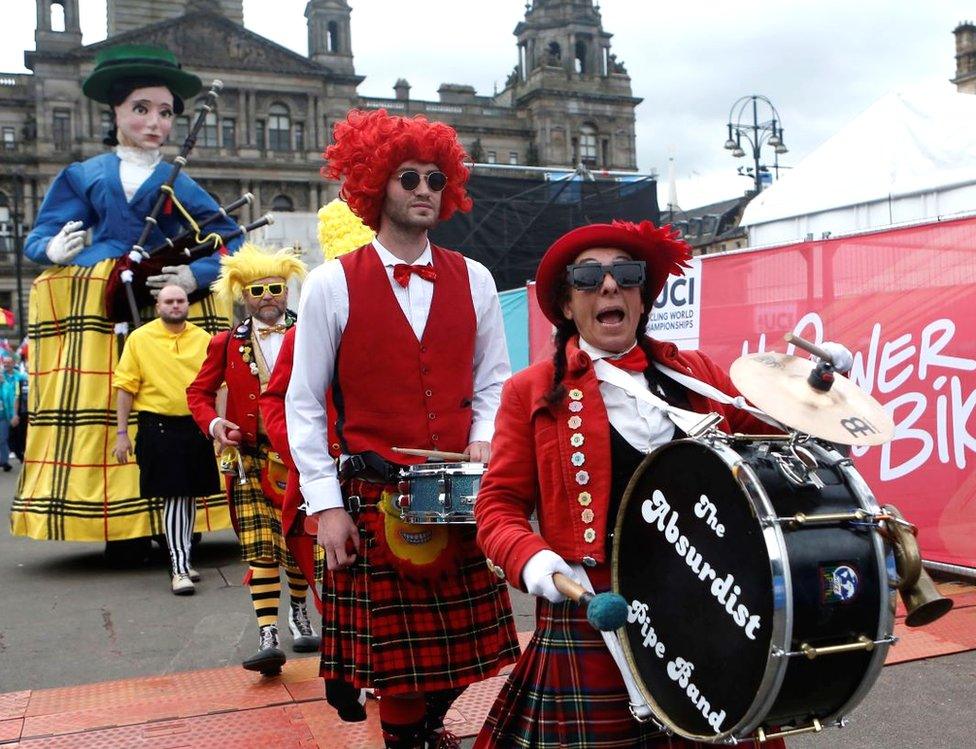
[243, 359]
[409, 336]
[71, 488]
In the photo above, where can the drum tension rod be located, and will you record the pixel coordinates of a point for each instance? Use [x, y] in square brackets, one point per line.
[809, 651]
[815, 727]
[801, 518]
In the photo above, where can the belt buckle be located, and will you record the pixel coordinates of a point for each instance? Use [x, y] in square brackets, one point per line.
[354, 503]
[357, 464]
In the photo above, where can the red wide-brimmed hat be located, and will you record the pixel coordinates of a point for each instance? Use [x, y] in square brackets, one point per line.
[661, 248]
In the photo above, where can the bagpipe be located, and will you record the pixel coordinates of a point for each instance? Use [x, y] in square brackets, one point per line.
[126, 290]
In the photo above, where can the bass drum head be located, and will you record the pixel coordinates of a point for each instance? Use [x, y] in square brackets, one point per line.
[690, 558]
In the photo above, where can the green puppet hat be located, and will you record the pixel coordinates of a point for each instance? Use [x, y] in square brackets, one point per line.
[138, 61]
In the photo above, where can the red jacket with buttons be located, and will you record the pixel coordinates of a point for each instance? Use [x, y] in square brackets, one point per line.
[225, 364]
[530, 466]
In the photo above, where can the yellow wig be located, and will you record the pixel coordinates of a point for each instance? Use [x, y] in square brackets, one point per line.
[252, 262]
[341, 230]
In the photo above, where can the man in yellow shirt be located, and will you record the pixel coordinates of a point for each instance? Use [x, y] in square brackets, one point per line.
[176, 461]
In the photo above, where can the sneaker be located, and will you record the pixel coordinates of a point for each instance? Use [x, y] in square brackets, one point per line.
[270, 658]
[182, 585]
[7, 467]
[194, 575]
[303, 637]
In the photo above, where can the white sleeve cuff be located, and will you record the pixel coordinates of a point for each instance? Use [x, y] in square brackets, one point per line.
[213, 423]
[481, 431]
[322, 494]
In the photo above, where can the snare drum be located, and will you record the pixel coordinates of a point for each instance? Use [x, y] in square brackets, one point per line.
[439, 492]
[758, 587]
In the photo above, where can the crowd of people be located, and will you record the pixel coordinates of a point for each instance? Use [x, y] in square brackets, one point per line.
[396, 342]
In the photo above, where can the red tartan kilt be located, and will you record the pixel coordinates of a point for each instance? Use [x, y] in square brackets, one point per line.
[383, 631]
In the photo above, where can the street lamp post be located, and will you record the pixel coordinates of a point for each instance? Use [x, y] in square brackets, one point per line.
[758, 134]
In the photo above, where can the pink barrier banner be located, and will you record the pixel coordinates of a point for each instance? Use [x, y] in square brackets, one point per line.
[904, 302]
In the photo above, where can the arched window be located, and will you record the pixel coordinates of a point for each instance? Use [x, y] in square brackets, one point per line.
[581, 57]
[279, 128]
[587, 145]
[282, 204]
[332, 37]
[57, 16]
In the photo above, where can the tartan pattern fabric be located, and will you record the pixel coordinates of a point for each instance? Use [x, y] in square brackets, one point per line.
[71, 487]
[258, 522]
[382, 631]
[566, 693]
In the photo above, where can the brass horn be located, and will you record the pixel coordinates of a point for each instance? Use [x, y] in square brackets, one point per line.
[922, 599]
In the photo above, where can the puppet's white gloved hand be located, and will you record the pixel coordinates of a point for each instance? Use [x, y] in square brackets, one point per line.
[843, 358]
[537, 575]
[175, 275]
[63, 246]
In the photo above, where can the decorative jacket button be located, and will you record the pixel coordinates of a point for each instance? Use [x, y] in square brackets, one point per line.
[431, 416]
[575, 422]
[584, 498]
[577, 439]
[589, 562]
[577, 459]
[587, 516]
[576, 394]
[428, 393]
[589, 535]
[252, 396]
[499, 572]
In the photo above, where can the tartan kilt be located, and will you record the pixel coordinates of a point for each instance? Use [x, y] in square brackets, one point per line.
[257, 521]
[566, 692]
[71, 487]
[383, 631]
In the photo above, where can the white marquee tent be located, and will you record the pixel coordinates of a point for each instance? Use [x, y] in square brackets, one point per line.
[911, 156]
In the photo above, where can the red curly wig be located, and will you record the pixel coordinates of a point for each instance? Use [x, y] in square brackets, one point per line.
[370, 145]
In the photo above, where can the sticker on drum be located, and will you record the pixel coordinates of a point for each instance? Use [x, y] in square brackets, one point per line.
[691, 561]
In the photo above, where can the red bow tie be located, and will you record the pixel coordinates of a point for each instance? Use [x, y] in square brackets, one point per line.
[402, 271]
[633, 361]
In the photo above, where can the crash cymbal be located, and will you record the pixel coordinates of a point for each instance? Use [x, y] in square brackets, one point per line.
[777, 384]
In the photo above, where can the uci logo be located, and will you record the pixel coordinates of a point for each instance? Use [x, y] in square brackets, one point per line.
[679, 292]
[858, 427]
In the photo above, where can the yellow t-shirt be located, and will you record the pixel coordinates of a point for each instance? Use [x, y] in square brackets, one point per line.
[157, 366]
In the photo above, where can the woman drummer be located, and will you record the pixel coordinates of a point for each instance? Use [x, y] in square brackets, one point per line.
[71, 489]
[565, 446]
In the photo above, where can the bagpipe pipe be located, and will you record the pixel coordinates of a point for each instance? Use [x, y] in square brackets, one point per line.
[127, 290]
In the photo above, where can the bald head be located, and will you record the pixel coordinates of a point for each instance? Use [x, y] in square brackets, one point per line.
[172, 305]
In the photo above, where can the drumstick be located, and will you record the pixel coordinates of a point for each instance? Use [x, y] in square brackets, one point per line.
[810, 348]
[605, 611]
[436, 454]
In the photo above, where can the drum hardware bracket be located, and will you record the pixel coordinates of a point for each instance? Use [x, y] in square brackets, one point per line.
[707, 424]
[809, 651]
[815, 727]
[802, 519]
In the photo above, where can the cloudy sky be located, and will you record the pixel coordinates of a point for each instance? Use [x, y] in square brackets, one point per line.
[821, 62]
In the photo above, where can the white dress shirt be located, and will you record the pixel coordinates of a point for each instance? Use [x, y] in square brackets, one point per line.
[324, 312]
[136, 164]
[644, 426]
[270, 343]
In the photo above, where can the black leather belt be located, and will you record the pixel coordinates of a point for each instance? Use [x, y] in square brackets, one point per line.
[370, 466]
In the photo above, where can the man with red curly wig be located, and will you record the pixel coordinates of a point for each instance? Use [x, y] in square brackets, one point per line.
[410, 338]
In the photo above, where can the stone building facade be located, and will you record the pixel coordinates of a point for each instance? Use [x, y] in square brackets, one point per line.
[965, 79]
[567, 101]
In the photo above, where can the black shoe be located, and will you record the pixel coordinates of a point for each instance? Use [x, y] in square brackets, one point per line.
[303, 637]
[7, 467]
[270, 658]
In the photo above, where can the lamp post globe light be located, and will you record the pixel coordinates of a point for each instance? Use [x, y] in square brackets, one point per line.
[757, 134]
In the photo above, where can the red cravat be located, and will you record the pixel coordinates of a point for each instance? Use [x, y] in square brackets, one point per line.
[633, 361]
[402, 271]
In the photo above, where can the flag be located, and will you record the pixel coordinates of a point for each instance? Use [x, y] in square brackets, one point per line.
[8, 317]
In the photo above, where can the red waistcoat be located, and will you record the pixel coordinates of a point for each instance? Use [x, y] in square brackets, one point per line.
[390, 389]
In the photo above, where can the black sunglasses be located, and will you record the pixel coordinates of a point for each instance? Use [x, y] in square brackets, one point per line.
[257, 290]
[589, 276]
[410, 180]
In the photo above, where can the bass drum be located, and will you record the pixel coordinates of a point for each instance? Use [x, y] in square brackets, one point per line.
[731, 604]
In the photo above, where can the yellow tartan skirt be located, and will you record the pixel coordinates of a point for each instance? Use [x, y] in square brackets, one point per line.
[71, 487]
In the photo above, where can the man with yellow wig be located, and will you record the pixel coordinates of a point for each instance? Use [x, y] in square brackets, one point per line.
[243, 359]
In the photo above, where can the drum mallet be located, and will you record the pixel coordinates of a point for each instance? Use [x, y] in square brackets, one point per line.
[605, 611]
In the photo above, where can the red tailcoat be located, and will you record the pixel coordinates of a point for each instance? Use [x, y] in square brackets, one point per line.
[225, 363]
[531, 469]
